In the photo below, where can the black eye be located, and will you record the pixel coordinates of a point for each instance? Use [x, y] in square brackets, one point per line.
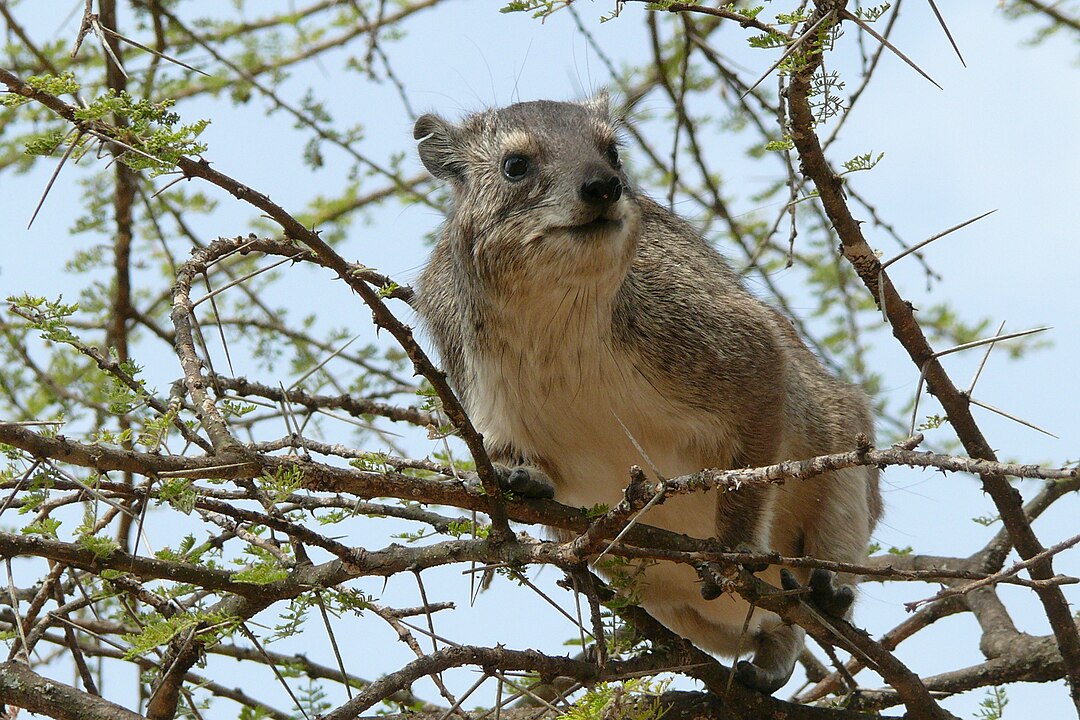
[613, 156]
[515, 167]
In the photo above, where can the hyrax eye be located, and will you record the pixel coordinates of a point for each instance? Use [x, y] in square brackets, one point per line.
[613, 156]
[515, 167]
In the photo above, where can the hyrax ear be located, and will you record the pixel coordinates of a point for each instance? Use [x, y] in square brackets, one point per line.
[600, 103]
[439, 145]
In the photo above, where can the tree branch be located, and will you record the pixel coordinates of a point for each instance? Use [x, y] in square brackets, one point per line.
[22, 687]
[907, 330]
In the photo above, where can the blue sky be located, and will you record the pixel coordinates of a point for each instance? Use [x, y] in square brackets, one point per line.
[1000, 135]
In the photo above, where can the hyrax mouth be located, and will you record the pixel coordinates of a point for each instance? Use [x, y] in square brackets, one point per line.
[598, 225]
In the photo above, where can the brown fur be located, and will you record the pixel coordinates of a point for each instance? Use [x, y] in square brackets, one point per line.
[561, 319]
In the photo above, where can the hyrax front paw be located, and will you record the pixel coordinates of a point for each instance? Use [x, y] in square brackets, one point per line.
[831, 597]
[525, 481]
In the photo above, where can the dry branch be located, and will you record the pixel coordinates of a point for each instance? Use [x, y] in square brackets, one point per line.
[907, 330]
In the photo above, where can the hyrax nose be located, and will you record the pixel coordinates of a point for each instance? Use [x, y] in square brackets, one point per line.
[601, 189]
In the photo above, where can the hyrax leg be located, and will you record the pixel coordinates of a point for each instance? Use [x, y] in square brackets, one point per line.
[776, 647]
[777, 644]
[837, 530]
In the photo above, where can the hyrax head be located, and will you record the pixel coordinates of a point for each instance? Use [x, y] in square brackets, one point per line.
[539, 190]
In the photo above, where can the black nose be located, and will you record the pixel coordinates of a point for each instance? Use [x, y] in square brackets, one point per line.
[601, 189]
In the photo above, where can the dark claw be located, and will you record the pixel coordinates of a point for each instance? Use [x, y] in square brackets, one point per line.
[710, 590]
[828, 596]
[526, 482]
[834, 599]
[788, 581]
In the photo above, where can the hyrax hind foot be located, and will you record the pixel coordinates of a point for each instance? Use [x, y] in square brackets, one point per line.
[775, 651]
[778, 646]
[526, 481]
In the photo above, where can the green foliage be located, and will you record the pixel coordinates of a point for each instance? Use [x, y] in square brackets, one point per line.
[190, 551]
[152, 134]
[901, 552]
[596, 511]
[12, 100]
[624, 577]
[261, 574]
[873, 12]
[233, 409]
[538, 8]
[179, 493]
[47, 316]
[768, 41]
[783, 145]
[46, 143]
[101, 546]
[388, 289]
[155, 430]
[432, 403]
[46, 527]
[826, 101]
[63, 84]
[292, 619]
[637, 699]
[207, 626]
[932, 422]
[333, 517]
[866, 161]
[283, 483]
[372, 462]
[413, 536]
[313, 700]
[792, 18]
[51, 84]
[263, 565]
[993, 705]
[121, 398]
[40, 485]
[459, 528]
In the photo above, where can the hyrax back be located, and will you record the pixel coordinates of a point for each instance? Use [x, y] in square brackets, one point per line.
[573, 313]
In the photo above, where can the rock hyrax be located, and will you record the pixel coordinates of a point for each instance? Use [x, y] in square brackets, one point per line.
[572, 312]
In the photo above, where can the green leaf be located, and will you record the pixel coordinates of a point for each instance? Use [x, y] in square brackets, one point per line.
[102, 547]
[208, 627]
[46, 527]
[261, 574]
[54, 84]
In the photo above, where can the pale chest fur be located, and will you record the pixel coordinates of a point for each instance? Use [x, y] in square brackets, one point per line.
[552, 382]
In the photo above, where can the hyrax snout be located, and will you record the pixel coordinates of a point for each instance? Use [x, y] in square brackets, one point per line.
[580, 321]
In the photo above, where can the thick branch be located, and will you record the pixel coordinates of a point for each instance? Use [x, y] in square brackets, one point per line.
[907, 330]
[23, 688]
